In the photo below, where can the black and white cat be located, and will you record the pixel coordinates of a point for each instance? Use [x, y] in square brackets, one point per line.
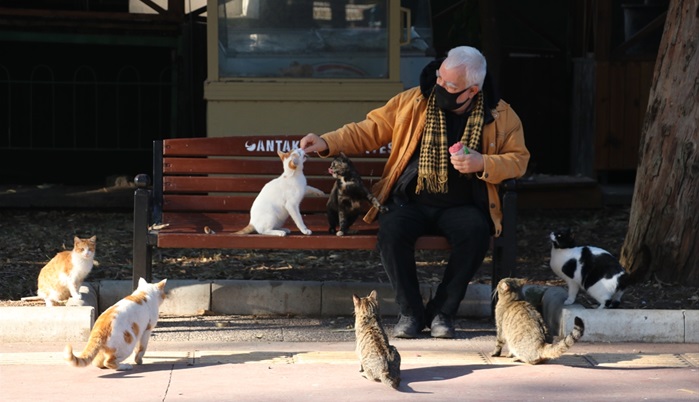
[591, 268]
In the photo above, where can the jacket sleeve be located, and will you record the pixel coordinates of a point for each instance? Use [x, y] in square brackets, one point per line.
[370, 134]
[509, 157]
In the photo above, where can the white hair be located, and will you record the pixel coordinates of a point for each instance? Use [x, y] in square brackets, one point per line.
[471, 61]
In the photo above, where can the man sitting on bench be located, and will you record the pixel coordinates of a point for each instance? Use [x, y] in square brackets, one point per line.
[428, 191]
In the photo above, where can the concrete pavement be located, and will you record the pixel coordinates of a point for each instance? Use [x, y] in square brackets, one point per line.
[263, 358]
[269, 352]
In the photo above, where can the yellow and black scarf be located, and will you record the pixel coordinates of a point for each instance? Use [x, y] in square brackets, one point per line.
[434, 153]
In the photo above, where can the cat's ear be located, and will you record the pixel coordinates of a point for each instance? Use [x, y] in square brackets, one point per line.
[282, 155]
[343, 154]
[93, 238]
[141, 282]
[161, 284]
[373, 294]
[355, 299]
[504, 285]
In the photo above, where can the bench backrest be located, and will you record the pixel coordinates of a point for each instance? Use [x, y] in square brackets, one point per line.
[226, 174]
[197, 181]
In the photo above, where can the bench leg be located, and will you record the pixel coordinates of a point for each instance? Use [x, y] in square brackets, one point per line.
[505, 247]
[142, 250]
[505, 250]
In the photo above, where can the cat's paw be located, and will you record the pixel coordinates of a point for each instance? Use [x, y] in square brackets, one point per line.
[339, 233]
[569, 301]
[383, 209]
[613, 304]
[306, 231]
[495, 353]
[75, 302]
[274, 232]
[124, 367]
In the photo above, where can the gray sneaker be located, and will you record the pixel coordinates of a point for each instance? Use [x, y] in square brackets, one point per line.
[442, 326]
[408, 327]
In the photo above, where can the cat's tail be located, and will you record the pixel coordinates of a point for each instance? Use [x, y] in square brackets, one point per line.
[32, 298]
[555, 350]
[391, 382]
[246, 230]
[88, 354]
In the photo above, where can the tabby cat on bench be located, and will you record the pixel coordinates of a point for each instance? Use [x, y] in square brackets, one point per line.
[348, 192]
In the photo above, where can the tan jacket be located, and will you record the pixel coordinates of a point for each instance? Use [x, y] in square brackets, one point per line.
[400, 122]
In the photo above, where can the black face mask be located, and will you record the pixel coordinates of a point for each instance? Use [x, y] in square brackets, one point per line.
[446, 100]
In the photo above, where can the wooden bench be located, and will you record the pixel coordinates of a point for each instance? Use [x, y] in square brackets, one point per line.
[202, 185]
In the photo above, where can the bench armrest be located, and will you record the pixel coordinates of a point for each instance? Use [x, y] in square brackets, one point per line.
[142, 208]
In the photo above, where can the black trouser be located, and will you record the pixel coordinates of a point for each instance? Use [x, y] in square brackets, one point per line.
[467, 231]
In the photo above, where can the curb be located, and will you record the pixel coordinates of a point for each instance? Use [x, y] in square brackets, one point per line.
[620, 325]
[331, 299]
[304, 298]
[44, 324]
[225, 297]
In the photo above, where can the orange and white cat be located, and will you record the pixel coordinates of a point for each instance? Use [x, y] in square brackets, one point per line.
[122, 328]
[61, 278]
[281, 198]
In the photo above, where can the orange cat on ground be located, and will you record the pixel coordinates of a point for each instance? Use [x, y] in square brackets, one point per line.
[61, 278]
[122, 328]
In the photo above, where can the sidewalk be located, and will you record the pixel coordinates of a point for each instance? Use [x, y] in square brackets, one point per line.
[249, 358]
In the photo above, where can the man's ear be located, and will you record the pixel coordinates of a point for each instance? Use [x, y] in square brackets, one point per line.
[474, 90]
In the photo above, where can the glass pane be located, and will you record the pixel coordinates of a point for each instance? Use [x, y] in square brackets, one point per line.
[416, 49]
[418, 41]
[302, 38]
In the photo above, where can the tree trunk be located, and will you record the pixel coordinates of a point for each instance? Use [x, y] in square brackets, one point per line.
[663, 236]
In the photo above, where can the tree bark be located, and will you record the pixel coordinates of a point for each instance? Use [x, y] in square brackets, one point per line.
[663, 236]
